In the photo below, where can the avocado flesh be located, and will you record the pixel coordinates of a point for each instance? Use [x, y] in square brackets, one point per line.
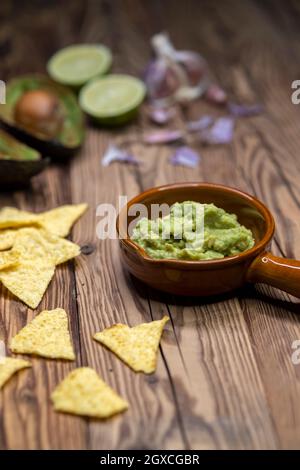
[71, 134]
[12, 149]
[18, 162]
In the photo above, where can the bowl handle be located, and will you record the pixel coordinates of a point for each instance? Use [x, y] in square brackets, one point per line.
[278, 272]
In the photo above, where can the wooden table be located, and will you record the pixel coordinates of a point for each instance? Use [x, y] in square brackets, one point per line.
[225, 378]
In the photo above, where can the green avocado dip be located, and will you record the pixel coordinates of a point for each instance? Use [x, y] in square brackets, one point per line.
[193, 231]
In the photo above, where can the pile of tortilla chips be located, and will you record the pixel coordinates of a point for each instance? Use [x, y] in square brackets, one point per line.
[31, 246]
[83, 392]
[34, 247]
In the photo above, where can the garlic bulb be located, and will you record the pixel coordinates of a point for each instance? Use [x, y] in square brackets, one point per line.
[161, 80]
[175, 75]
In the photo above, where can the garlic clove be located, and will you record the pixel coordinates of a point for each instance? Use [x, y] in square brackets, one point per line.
[215, 94]
[194, 66]
[161, 116]
[161, 80]
[163, 137]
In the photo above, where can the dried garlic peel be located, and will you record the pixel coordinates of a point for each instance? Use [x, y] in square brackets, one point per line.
[136, 346]
[9, 366]
[47, 335]
[82, 392]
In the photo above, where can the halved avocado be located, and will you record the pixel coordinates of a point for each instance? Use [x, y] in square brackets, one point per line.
[18, 162]
[66, 137]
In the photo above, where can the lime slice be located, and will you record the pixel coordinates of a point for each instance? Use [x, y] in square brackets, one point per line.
[113, 99]
[75, 65]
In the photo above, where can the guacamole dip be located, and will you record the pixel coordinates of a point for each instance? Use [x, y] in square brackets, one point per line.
[193, 231]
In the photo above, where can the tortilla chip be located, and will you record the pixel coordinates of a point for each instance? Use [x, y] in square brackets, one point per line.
[28, 282]
[61, 250]
[7, 238]
[35, 244]
[8, 259]
[82, 392]
[39, 252]
[47, 335]
[59, 221]
[9, 367]
[136, 346]
[11, 217]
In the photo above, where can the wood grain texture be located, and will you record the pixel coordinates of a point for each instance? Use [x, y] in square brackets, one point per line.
[225, 379]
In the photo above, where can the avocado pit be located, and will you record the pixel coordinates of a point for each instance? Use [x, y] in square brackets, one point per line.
[39, 112]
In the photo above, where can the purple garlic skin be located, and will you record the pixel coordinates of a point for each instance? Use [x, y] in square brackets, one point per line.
[161, 116]
[114, 153]
[221, 132]
[161, 80]
[194, 66]
[163, 137]
[244, 110]
[215, 94]
[185, 156]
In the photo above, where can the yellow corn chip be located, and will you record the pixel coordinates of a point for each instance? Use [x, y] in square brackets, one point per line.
[136, 346]
[8, 259]
[28, 282]
[35, 244]
[38, 252]
[82, 392]
[61, 250]
[11, 217]
[9, 366]
[47, 335]
[59, 221]
[7, 238]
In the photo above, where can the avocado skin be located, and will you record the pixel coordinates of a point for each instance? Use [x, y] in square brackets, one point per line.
[18, 162]
[54, 148]
[15, 173]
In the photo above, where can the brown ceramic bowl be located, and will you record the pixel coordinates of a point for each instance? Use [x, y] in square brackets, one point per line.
[205, 278]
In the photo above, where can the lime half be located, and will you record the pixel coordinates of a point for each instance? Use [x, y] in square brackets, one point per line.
[113, 99]
[75, 65]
